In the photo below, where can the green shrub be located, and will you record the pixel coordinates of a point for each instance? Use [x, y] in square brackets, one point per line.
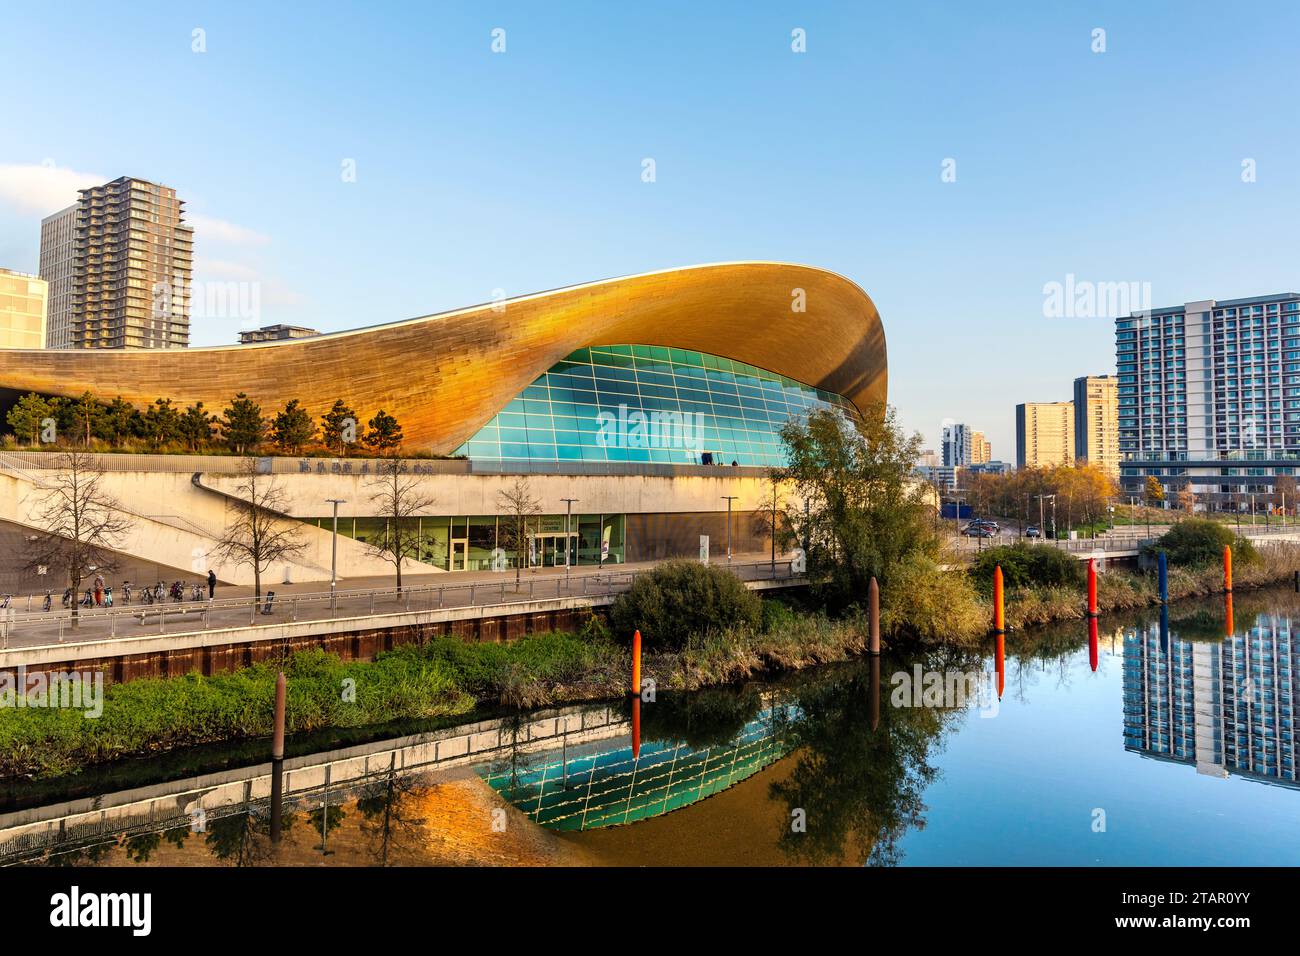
[925, 601]
[679, 600]
[1025, 566]
[1196, 542]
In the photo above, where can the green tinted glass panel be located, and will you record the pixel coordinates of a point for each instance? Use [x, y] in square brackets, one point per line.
[644, 403]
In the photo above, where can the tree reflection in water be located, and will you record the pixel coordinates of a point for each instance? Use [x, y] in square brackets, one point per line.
[861, 790]
[387, 809]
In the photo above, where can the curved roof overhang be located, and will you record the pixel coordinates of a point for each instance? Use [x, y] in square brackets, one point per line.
[444, 376]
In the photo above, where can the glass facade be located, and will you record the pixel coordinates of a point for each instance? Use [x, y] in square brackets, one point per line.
[466, 542]
[647, 403]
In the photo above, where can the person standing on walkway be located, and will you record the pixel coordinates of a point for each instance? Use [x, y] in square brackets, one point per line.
[212, 584]
[99, 590]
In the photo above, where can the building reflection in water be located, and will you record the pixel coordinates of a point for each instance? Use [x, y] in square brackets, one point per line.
[1226, 707]
[609, 783]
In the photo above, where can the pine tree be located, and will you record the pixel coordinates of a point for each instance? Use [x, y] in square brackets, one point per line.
[384, 434]
[26, 418]
[197, 426]
[293, 428]
[242, 426]
[339, 427]
[162, 423]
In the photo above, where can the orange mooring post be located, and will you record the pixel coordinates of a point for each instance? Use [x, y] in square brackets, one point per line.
[1227, 568]
[636, 727]
[999, 620]
[1000, 661]
[873, 606]
[277, 735]
[1092, 587]
[636, 664]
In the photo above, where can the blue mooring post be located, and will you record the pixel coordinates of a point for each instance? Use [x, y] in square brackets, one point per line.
[1164, 579]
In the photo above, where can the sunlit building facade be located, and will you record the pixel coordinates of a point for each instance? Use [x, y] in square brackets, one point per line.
[643, 414]
[23, 302]
[1209, 398]
[1044, 434]
[119, 264]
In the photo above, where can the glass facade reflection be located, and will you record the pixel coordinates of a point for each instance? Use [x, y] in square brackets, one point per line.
[648, 403]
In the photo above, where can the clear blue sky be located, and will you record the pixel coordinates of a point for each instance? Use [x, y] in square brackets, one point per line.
[522, 171]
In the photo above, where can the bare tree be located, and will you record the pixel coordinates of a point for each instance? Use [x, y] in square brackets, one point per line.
[399, 499]
[258, 530]
[79, 524]
[518, 508]
[769, 520]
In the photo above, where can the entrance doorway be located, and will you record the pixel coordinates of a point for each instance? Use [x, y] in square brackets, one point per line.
[547, 549]
[459, 554]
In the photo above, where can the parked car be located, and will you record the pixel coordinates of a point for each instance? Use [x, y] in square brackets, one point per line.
[1033, 532]
[974, 530]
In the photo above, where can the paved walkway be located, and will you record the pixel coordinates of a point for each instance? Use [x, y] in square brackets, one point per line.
[235, 606]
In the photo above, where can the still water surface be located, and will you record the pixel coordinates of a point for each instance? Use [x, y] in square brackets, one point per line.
[1179, 748]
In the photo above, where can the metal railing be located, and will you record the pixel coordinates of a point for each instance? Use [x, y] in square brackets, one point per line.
[140, 619]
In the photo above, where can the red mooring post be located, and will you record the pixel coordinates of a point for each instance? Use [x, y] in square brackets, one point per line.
[999, 620]
[1227, 568]
[1092, 588]
[636, 664]
[873, 616]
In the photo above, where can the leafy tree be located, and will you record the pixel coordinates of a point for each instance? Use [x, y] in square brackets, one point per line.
[197, 426]
[865, 513]
[1155, 492]
[338, 427]
[679, 600]
[242, 426]
[1284, 487]
[384, 434]
[162, 424]
[27, 418]
[293, 428]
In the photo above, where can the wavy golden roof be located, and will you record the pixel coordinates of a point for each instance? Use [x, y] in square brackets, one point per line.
[443, 376]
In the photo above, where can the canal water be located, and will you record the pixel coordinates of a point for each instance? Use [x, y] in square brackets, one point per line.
[1158, 739]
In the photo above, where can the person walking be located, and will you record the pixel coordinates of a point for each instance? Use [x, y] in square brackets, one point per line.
[212, 584]
[99, 590]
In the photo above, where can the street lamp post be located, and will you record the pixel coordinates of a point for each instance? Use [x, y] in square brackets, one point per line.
[568, 513]
[334, 551]
[730, 499]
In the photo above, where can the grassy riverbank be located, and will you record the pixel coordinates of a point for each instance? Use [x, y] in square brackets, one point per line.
[445, 677]
[1122, 590]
